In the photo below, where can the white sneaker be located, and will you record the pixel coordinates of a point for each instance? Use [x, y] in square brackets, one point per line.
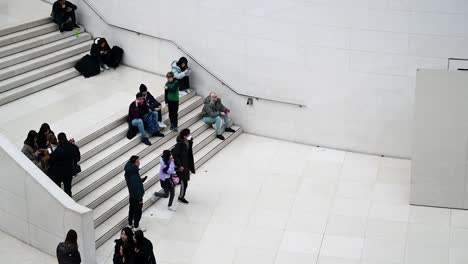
[162, 125]
[102, 69]
[172, 208]
[142, 229]
[106, 67]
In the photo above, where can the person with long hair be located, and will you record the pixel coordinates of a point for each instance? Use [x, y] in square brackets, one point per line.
[101, 51]
[183, 159]
[67, 251]
[126, 237]
[166, 171]
[181, 72]
[143, 249]
[42, 135]
[31, 150]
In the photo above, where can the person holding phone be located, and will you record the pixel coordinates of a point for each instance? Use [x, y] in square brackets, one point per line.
[181, 72]
[62, 11]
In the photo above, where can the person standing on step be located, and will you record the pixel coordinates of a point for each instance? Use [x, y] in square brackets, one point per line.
[31, 150]
[181, 72]
[126, 237]
[183, 159]
[62, 163]
[172, 99]
[67, 252]
[62, 11]
[136, 191]
[166, 171]
[42, 136]
[153, 104]
[138, 111]
[214, 112]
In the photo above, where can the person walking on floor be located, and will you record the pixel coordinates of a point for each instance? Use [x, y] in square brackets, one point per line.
[172, 99]
[143, 249]
[62, 163]
[67, 252]
[136, 191]
[126, 237]
[166, 171]
[184, 162]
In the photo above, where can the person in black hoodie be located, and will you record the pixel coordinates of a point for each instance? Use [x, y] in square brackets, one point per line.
[153, 104]
[62, 163]
[136, 191]
[67, 252]
[101, 52]
[183, 159]
[126, 237]
[143, 249]
[62, 11]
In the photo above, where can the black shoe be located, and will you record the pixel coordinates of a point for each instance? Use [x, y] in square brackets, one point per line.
[182, 200]
[228, 129]
[158, 134]
[146, 141]
[144, 179]
[220, 137]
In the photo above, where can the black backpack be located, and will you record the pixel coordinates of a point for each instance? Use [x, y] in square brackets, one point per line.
[116, 55]
[88, 66]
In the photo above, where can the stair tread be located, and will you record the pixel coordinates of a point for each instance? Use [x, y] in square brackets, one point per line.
[10, 29]
[83, 35]
[90, 179]
[49, 26]
[96, 158]
[36, 82]
[101, 189]
[41, 69]
[45, 57]
[122, 214]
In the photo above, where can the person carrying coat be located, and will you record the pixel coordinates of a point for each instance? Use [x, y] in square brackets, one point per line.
[136, 191]
[67, 252]
[183, 159]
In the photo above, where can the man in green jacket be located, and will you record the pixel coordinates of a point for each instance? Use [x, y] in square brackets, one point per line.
[214, 112]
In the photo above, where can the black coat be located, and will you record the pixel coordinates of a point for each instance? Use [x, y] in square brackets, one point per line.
[117, 259]
[63, 160]
[58, 12]
[145, 253]
[68, 253]
[183, 156]
[151, 101]
[135, 186]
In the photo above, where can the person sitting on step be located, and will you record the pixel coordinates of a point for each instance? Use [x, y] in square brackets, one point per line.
[63, 11]
[153, 104]
[101, 51]
[214, 112]
[138, 111]
[181, 72]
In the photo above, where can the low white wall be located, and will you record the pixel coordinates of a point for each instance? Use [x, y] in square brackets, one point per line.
[34, 210]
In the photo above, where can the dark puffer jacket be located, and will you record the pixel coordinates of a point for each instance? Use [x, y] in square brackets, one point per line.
[68, 253]
[183, 156]
[134, 183]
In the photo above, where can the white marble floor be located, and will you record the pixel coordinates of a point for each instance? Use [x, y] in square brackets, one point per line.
[78, 106]
[21, 11]
[266, 201]
[14, 251]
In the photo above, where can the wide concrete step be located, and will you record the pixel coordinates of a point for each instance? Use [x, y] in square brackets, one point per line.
[27, 34]
[9, 29]
[36, 42]
[119, 192]
[43, 50]
[118, 220]
[38, 85]
[50, 58]
[113, 132]
[112, 167]
[39, 73]
[101, 193]
[103, 160]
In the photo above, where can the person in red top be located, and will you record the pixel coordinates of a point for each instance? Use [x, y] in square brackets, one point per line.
[139, 111]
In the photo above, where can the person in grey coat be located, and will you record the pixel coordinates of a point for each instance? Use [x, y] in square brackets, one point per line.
[67, 252]
[214, 112]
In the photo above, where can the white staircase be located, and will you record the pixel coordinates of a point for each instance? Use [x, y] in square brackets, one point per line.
[36, 55]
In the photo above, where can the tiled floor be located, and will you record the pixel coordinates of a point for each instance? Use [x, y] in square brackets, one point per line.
[21, 11]
[77, 112]
[266, 201]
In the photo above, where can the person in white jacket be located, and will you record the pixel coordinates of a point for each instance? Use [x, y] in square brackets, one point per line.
[166, 171]
[181, 72]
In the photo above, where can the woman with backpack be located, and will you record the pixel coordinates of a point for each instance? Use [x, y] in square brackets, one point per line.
[67, 251]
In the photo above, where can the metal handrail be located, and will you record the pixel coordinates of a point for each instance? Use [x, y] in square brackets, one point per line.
[191, 57]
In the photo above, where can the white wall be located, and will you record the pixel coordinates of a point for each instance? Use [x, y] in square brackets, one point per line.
[34, 210]
[353, 63]
[440, 153]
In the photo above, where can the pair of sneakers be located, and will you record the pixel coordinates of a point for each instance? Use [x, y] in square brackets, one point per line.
[104, 67]
[134, 229]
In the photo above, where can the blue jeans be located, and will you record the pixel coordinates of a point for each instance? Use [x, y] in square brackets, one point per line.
[141, 126]
[217, 121]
